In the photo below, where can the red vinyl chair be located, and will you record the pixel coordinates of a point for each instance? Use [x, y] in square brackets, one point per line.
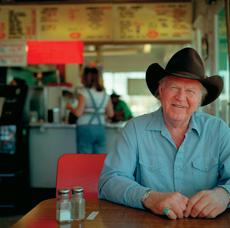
[80, 170]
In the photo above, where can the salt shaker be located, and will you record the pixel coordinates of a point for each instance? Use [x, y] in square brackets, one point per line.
[78, 204]
[63, 206]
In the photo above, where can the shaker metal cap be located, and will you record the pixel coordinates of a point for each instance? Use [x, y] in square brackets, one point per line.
[63, 191]
[77, 189]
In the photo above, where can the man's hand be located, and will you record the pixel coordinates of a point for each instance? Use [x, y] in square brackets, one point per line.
[175, 201]
[208, 204]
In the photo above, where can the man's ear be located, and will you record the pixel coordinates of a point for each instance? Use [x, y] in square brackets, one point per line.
[159, 89]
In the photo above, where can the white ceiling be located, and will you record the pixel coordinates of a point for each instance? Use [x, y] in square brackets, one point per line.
[123, 58]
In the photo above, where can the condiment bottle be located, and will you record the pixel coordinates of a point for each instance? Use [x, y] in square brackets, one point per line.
[63, 206]
[78, 204]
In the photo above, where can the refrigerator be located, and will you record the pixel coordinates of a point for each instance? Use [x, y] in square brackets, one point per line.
[14, 175]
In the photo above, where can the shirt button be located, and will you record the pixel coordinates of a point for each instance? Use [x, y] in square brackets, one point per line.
[178, 169]
[206, 167]
[179, 191]
[151, 166]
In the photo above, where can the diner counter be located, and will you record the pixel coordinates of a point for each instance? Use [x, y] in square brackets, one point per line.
[66, 125]
[48, 141]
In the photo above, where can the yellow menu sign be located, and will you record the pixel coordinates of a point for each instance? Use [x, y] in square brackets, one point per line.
[158, 21]
[75, 22]
[17, 23]
[97, 22]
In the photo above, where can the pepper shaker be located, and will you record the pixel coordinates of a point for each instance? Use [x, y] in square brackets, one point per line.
[78, 204]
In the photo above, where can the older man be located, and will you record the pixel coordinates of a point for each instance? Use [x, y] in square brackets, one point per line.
[175, 161]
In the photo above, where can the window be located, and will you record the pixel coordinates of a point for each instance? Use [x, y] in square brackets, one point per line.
[119, 82]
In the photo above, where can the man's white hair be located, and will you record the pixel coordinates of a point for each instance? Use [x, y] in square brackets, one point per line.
[203, 90]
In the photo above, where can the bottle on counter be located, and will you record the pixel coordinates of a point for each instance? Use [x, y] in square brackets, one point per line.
[78, 204]
[63, 206]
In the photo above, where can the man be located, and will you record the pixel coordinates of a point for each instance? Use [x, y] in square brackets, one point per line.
[175, 161]
[121, 109]
[14, 97]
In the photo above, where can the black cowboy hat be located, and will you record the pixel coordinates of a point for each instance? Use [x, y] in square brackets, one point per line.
[186, 63]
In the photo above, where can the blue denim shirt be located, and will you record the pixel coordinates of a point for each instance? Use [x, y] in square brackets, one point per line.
[145, 157]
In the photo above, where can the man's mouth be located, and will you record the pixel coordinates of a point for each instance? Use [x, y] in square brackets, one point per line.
[178, 106]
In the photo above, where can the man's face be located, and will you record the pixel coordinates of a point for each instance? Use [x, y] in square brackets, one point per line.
[115, 100]
[179, 98]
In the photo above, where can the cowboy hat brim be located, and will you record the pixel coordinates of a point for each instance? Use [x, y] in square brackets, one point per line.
[214, 84]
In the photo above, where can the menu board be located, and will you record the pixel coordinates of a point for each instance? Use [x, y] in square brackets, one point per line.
[158, 21]
[17, 23]
[12, 54]
[75, 22]
[108, 22]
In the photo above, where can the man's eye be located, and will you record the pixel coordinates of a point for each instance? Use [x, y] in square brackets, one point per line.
[191, 91]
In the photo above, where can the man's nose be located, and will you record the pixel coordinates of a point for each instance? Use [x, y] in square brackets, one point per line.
[181, 95]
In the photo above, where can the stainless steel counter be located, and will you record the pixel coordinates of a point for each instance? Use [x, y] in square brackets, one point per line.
[52, 125]
[66, 125]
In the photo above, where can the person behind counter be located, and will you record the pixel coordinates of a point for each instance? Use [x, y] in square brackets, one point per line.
[174, 161]
[121, 109]
[93, 104]
[12, 107]
[18, 82]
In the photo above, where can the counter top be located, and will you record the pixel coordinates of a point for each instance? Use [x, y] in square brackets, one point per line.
[66, 125]
[52, 125]
[115, 125]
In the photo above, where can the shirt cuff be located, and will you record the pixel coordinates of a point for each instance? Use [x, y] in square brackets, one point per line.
[228, 191]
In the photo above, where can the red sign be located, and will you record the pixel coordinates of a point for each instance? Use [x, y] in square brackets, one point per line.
[152, 34]
[55, 52]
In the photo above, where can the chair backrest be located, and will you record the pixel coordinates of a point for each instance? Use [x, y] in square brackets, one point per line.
[80, 170]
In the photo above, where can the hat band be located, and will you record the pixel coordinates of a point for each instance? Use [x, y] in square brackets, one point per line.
[187, 75]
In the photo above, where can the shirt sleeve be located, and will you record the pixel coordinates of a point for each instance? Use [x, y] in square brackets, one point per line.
[128, 113]
[124, 107]
[117, 182]
[82, 91]
[224, 167]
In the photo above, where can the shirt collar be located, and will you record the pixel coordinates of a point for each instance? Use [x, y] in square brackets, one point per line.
[157, 122]
[193, 124]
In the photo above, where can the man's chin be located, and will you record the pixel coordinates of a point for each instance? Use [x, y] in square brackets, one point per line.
[179, 117]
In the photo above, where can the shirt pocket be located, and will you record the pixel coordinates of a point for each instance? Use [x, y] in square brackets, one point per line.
[152, 169]
[152, 164]
[205, 173]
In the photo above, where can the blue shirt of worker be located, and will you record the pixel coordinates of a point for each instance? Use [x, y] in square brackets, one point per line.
[145, 157]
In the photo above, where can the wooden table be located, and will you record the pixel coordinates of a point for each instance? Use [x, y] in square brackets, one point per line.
[114, 215]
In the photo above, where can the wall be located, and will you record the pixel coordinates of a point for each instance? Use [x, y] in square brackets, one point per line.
[72, 74]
